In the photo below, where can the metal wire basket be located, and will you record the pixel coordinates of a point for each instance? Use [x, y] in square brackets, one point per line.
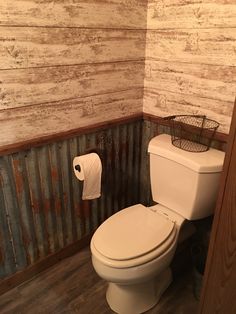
[193, 133]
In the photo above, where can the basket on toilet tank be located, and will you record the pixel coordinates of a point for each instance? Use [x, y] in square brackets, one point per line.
[193, 133]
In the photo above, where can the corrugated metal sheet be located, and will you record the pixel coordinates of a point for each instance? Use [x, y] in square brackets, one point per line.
[150, 129]
[41, 210]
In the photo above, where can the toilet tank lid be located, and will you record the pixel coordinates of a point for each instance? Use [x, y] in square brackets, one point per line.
[204, 162]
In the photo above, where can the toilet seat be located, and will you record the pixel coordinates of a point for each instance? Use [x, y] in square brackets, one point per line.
[133, 236]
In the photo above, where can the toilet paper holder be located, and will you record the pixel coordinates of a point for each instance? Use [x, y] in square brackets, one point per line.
[96, 151]
[78, 168]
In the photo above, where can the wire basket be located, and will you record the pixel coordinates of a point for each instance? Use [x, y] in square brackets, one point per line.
[193, 133]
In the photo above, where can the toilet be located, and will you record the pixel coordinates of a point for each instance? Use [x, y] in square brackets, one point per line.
[132, 249]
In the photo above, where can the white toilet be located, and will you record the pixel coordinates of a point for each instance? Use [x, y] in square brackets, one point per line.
[132, 249]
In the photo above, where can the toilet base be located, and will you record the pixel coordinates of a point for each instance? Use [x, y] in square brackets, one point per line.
[138, 298]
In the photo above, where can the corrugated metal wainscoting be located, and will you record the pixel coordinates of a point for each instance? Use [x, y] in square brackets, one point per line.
[150, 129]
[41, 210]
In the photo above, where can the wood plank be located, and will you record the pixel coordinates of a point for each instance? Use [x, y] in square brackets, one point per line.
[58, 135]
[41, 85]
[40, 120]
[206, 81]
[165, 103]
[209, 46]
[90, 13]
[218, 294]
[169, 14]
[22, 47]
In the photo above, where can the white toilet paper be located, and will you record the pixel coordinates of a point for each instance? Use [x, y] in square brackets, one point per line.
[89, 170]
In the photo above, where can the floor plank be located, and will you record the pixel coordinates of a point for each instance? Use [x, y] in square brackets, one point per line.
[72, 286]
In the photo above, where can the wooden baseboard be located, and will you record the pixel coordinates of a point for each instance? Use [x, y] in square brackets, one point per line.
[31, 271]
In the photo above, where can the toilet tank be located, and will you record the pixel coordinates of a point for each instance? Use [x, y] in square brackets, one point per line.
[185, 182]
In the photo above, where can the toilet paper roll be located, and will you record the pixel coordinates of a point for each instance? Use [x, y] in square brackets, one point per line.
[88, 168]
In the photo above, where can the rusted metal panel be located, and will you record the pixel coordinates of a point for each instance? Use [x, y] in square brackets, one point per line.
[24, 206]
[12, 213]
[7, 262]
[116, 170]
[75, 191]
[65, 170]
[108, 159]
[41, 209]
[130, 162]
[45, 193]
[137, 142]
[150, 129]
[56, 194]
[36, 200]
[123, 164]
[82, 148]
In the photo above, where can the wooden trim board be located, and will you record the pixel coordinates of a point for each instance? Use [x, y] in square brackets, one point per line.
[219, 280]
[24, 145]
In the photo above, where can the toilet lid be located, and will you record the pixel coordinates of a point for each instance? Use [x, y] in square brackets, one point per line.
[132, 232]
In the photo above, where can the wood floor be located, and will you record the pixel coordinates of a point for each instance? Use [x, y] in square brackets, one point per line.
[72, 286]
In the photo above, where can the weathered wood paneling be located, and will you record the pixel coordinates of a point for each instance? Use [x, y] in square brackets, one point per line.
[55, 53]
[174, 14]
[41, 85]
[209, 81]
[70, 13]
[191, 60]
[205, 46]
[29, 122]
[164, 103]
[23, 47]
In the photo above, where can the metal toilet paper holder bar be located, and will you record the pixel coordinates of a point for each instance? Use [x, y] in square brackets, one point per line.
[91, 150]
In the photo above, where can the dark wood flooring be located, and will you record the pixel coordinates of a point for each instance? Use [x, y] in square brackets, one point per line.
[72, 286]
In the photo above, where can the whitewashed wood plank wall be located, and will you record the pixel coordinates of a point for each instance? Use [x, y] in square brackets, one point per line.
[69, 64]
[191, 58]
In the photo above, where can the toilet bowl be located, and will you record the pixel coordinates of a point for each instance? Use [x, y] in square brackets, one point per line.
[132, 250]
[136, 266]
